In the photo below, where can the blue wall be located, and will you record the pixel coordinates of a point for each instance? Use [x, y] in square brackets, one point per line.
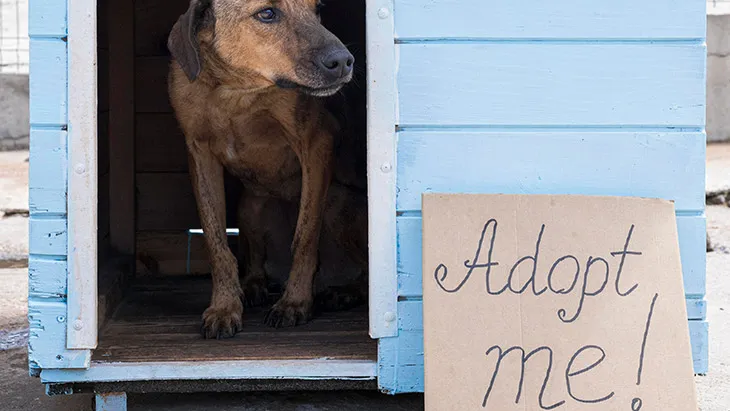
[48, 182]
[568, 96]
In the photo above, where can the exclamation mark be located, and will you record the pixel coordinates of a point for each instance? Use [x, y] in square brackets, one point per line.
[636, 403]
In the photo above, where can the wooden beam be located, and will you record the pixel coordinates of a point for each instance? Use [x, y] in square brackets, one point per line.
[81, 329]
[121, 126]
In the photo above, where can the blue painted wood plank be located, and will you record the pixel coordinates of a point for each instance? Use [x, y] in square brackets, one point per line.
[48, 82]
[48, 236]
[699, 338]
[400, 363]
[401, 358]
[47, 18]
[550, 19]
[552, 84]
[47, 170]
[46, 200]
[691, 240]
[317, 369]
[388, 364]
[693, 246]
[46, 277]
[647, 164]
[696, 309]
[47, 338]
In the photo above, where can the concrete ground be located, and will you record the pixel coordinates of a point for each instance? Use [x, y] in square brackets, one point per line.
[18, 391]
[13, 200]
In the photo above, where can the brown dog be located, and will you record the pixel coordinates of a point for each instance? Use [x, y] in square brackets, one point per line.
[246, 86]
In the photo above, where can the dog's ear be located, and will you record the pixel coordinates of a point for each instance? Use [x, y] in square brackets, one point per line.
[183, 39]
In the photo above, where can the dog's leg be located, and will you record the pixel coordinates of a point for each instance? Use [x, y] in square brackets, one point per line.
[296, 304]
[252, 226]
[346, 223]
[223, 318]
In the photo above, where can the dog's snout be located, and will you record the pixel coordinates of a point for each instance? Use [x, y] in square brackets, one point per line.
[338, 63]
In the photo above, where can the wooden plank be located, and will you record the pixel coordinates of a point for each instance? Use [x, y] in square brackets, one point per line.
[693, 246]
[529, 19]
[699, 338]
[43, 200]
[691, 240]
[48, 236]
[47, 337]
[150, 85]
[103, 214]
[113, 401]
[339, 346]
[165, 253]
[696, 309]
[381, 163]
[48, 81]
[82, 181]
[102, 24]
[47, 173]
[166, 202]
[152, 24]
[121, 126]
[46, 277]
[551, 84]
[47, 18]
[103, 142]
[647, 164]
[113, 274]
[320, 369]
[400, 363]
[159, 144]
[103, 67]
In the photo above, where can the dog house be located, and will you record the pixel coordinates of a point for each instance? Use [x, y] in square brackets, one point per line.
[478, 96]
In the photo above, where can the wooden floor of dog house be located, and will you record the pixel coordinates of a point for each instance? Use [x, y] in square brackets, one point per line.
[159, 320]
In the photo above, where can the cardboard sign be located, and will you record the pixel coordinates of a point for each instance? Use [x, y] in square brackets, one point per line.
[553, 302]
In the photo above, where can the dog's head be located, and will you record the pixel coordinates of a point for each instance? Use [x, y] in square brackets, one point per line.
[282, 41]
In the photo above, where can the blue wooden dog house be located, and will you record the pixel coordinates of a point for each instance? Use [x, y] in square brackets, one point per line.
[479, 96]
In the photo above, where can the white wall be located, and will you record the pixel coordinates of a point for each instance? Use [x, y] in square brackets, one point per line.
[14, 36]
[718, 70]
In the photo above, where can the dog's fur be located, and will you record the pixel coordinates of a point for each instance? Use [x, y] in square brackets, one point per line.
[248, 97]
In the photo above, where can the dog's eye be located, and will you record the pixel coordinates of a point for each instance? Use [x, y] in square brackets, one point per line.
[267, 15]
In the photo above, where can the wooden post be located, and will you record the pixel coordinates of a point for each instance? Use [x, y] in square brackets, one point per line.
[112, 401]
[121, 126]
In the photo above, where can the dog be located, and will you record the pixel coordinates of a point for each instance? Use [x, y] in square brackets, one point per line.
[250, 82]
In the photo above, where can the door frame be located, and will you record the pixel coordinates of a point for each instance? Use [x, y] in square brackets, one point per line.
[82, 166]
[381, 167]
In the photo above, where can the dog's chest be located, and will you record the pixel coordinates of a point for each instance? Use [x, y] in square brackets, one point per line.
[255, 149]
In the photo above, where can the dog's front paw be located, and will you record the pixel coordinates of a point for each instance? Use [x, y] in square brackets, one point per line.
[255, 291]
[288, 313]
[223, 320]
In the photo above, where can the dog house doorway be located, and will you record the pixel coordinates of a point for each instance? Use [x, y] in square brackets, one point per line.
[153, 282]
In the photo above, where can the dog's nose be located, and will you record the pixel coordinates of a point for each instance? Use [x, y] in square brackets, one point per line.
[338, 63]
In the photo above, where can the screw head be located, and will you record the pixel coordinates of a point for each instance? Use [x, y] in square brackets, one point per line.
[79, 168]
[390, 316]
[78, 325]
[60, 318]
[386, 167]
[383, 13]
